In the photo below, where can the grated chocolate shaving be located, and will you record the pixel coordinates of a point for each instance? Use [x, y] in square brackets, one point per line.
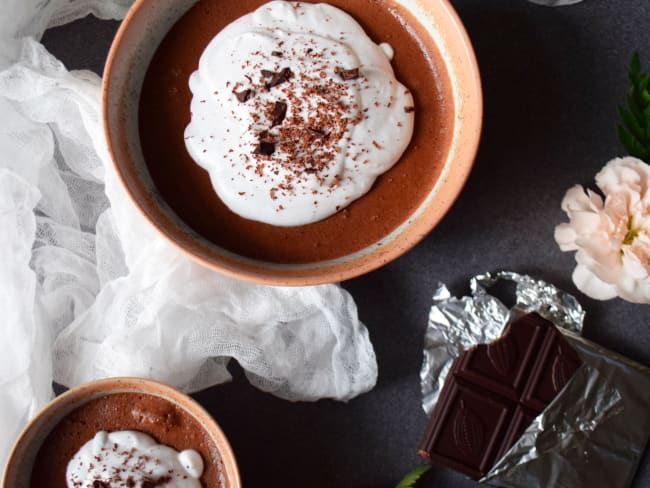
[348, 74]
[245, 95]
[302, 142]
[317, 132]
[279, 112]
[277, 78]
[410, 109]
[264, 148]
[151, 483]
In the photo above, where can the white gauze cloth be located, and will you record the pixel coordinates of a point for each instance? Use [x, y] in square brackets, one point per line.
[88, 289]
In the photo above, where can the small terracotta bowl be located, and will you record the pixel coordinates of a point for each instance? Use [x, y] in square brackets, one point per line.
[141, 32]
[18, 469]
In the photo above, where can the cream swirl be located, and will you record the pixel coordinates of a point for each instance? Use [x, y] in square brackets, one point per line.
[295, 112]
[131, 458]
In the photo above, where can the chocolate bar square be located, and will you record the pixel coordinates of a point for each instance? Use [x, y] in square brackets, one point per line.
[493, 393]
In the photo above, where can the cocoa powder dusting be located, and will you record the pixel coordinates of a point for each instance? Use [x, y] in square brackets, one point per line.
[303, 146]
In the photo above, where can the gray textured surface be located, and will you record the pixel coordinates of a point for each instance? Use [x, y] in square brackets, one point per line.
[552, 80]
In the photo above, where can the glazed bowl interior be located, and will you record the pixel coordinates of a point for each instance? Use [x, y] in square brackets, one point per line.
[19, 465]
[136, 42]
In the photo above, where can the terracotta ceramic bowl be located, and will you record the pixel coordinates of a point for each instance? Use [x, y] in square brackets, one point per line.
[19, 464]
[137, 39]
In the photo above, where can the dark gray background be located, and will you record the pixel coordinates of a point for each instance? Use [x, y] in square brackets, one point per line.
[552, 79]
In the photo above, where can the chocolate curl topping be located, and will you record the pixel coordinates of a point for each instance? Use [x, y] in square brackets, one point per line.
[317, 132]
[279, 112]
[264, 148]
[348, 74]
[276, 78]
[151, 483]
[244, 95]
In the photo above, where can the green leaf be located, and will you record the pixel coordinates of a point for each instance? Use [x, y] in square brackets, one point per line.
[634, 147]
[634, 107]
[634, 132]
[410, 479]
[638, 97]
[646, 114]
[643, 88]
[632, 124]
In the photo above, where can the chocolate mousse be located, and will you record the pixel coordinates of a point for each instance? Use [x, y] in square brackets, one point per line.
[150, 417]
[395, 195]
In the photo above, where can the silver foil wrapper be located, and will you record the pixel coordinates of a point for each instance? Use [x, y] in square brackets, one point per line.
[593, 434]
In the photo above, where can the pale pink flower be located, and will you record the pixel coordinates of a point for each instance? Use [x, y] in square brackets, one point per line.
[611, 236]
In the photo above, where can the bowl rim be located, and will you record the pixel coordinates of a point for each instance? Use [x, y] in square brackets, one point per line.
[106, 386]
[339, 269]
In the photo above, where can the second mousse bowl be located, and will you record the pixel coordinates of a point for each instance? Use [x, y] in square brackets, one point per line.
[122, 432]
[292, 143]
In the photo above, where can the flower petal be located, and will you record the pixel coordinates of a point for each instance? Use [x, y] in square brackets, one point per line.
[606, 267]
[633, 290]
[624, 174]
[592, 286]
[565, 236]
[636, 258]
[585, 222]
[576, 199]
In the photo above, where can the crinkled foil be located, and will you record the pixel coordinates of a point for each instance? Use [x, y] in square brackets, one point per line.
[593, 434]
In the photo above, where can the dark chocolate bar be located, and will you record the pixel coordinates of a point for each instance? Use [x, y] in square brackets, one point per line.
[493, 393]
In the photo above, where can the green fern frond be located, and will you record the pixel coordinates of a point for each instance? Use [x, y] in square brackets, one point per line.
[634, 130]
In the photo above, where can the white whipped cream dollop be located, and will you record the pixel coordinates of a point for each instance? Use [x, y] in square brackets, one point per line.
[295, 112]
[132, 459]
